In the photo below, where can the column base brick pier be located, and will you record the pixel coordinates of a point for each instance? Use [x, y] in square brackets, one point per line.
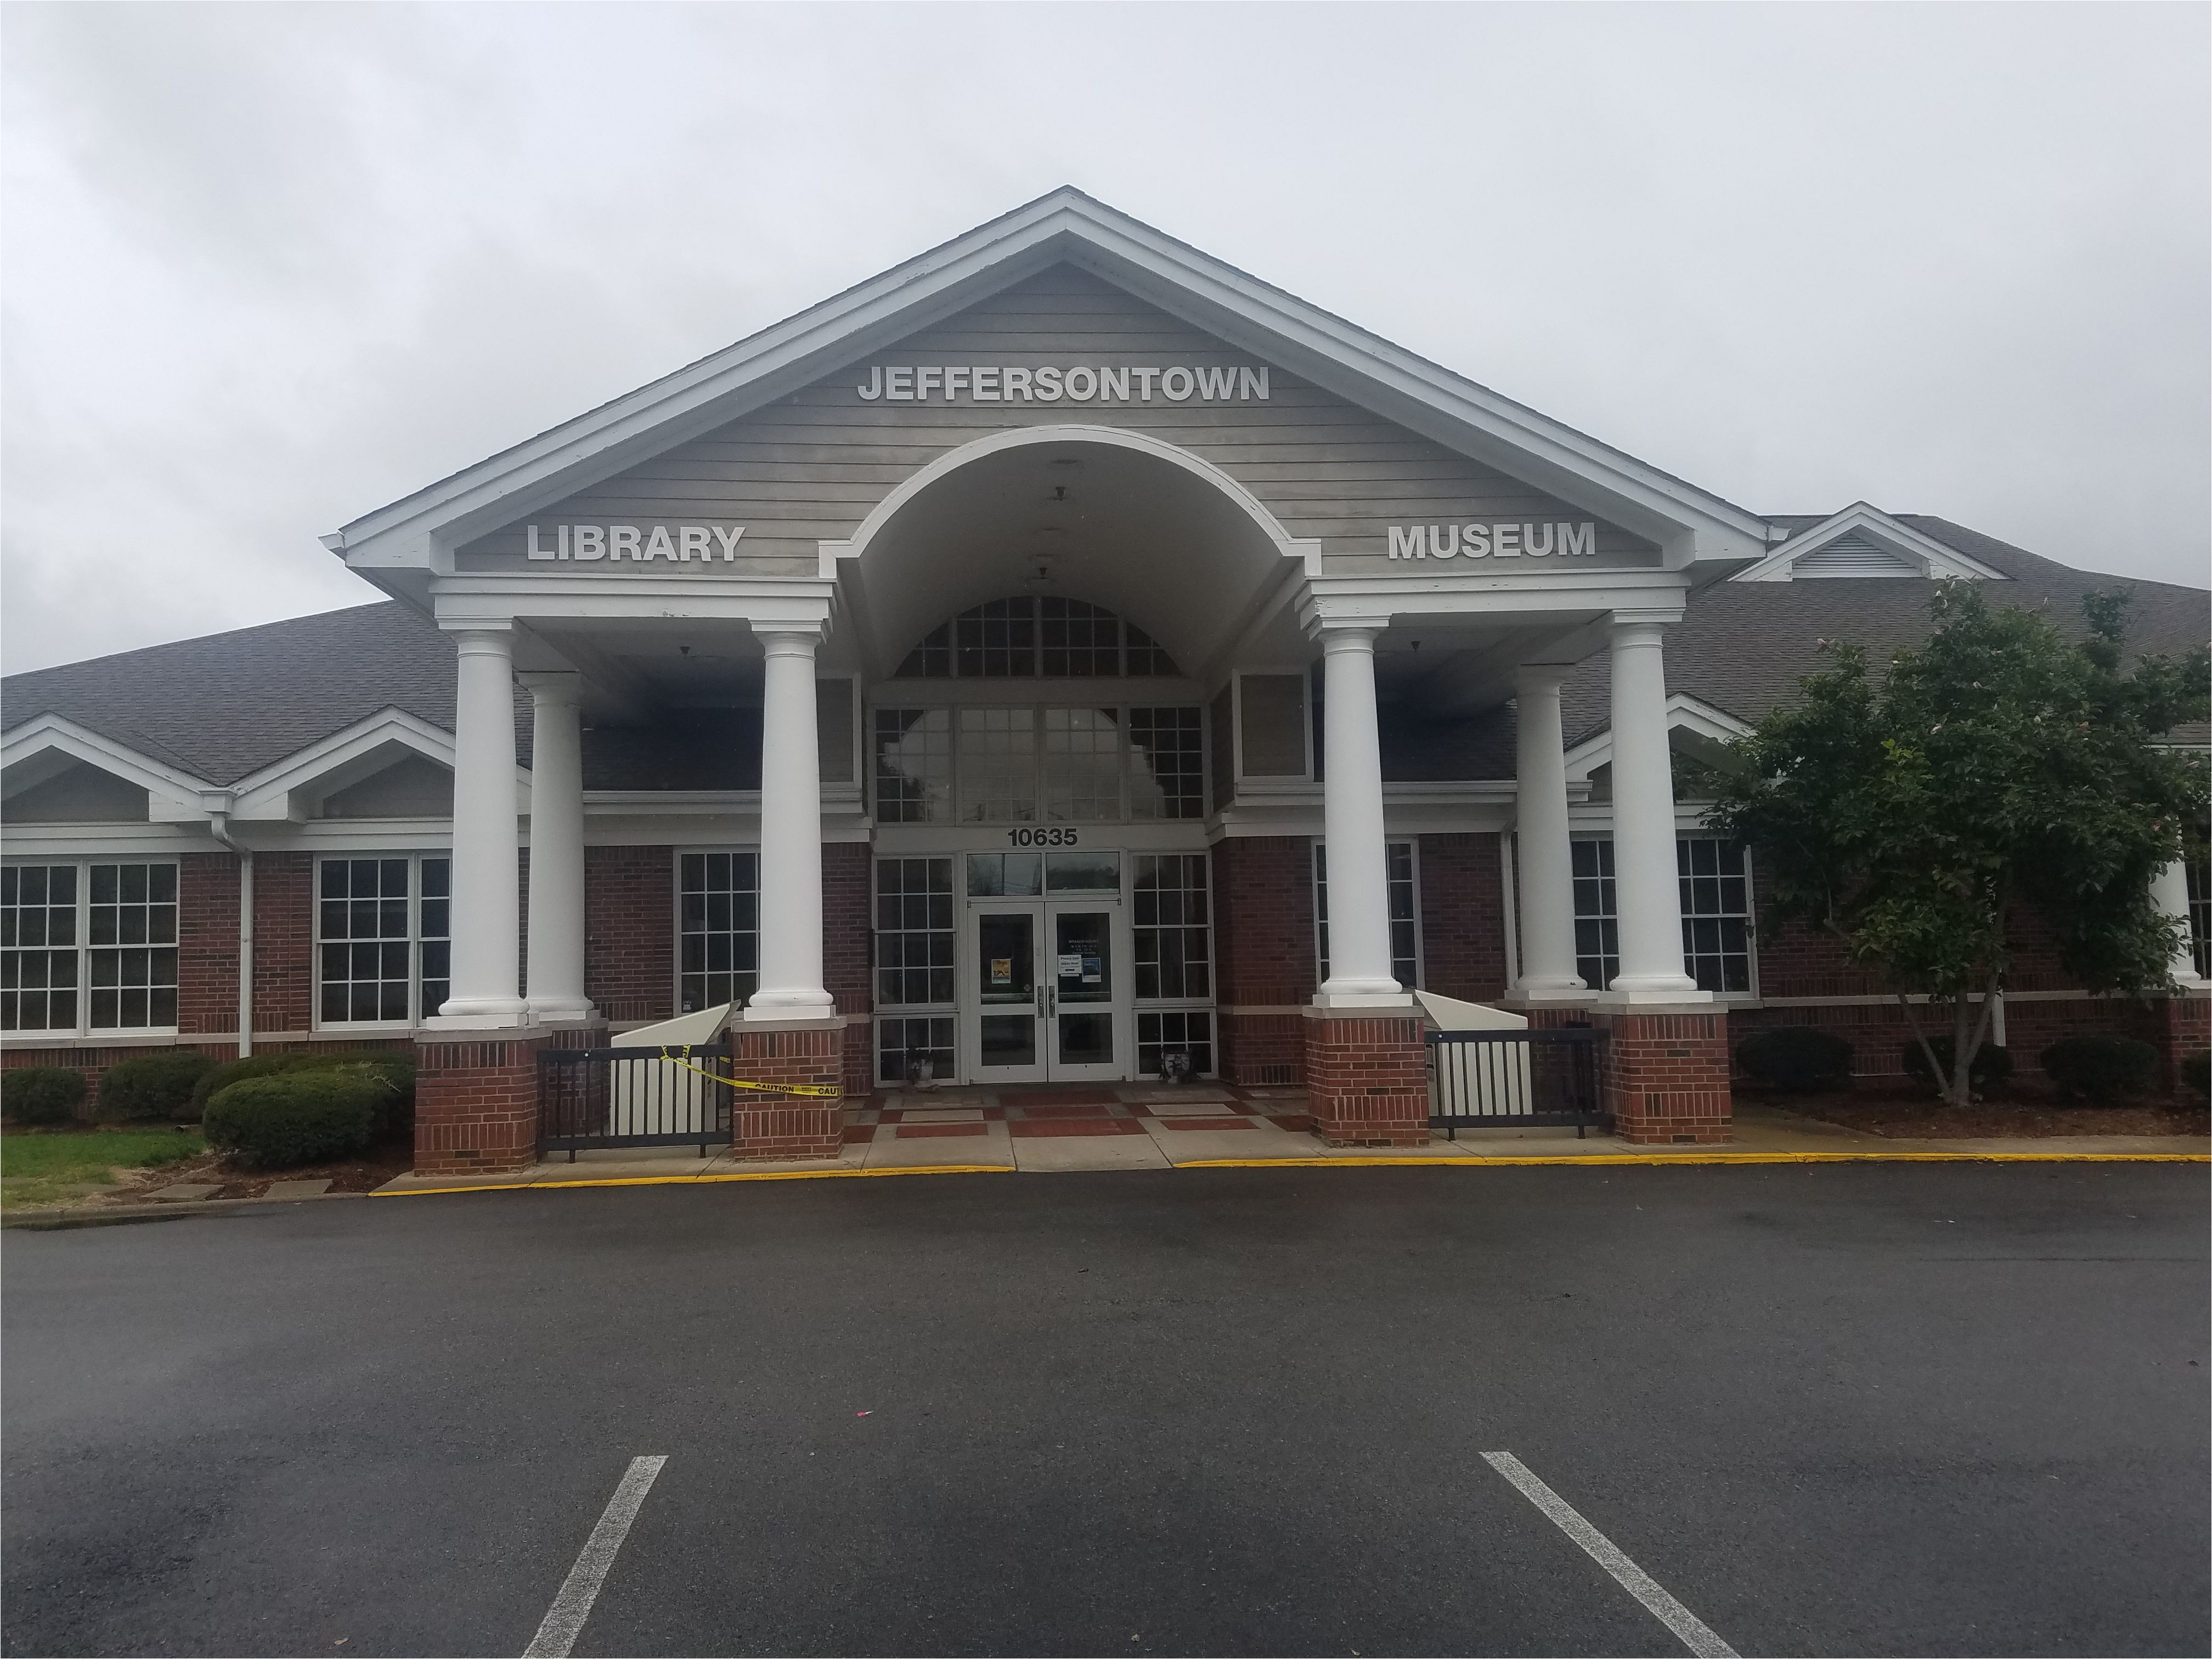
[475, 1097]
[1367, 1077]
[1663, 1074]
[769, 1123]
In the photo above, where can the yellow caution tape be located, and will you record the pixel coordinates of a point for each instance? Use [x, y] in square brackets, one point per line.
[830, 1091]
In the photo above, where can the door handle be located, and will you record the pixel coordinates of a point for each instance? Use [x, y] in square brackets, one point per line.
[1040, 998]
[1054, 992]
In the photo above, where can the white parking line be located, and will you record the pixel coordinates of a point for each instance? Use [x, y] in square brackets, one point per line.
[564, 1620]
[1696, 1635]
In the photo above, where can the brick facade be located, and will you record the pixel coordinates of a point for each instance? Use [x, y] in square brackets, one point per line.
[207, 944]
[629, 932]
[476, 1101]
[848, 945]
[283, 942]
[1263, 944]
[1462, 909]
[1664, 1076]
[1367, 1079]
[767, 1123]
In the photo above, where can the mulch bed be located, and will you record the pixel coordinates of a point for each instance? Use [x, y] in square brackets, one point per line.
[1915, 1117]
[362, 1174]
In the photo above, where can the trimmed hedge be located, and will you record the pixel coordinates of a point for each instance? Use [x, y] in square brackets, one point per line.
[2101, 1070]
[41, 1096]
[1990, 1064]
[303, 1116]
[153, 1085]
[2197, 1070]
[1796, 1059]
[395, 1067]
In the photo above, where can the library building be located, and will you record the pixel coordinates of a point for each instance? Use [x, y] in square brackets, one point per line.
[1063, 659]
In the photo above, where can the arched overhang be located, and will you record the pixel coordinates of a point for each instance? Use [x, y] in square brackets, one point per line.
[1123, 520]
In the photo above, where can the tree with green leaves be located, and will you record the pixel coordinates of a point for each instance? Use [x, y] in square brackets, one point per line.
[1912, 812]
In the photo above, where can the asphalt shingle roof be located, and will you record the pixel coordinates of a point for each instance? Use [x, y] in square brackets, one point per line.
[227, 705]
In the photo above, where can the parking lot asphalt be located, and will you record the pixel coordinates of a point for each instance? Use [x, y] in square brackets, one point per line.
[1951, 1409]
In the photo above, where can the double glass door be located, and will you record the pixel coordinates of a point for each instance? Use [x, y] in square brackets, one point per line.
[1046, 1000]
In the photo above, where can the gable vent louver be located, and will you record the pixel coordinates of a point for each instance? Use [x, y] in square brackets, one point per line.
[1854, 553]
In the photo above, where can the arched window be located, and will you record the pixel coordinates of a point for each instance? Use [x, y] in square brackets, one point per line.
[1035, 637]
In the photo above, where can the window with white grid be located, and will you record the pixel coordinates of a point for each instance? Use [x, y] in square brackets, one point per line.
[1167, 765]
[382, 946]
[718, 924]
[1173, 923]
[89, 946]
[996, 641]
[1164, 1030]
[2199, 872]
[1715, 880]
[913, 765]
[1076, 640]
[1082, 765]
[998, 765]
[1035, 636]
[1403, 889]
[914, 933]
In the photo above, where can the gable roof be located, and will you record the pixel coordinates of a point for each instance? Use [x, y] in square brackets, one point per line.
[1871, 544]
[1742, 648]
[414, 533]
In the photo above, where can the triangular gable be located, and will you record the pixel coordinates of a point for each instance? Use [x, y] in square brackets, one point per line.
[1863, 541]
[45, 747]
[1067, 226]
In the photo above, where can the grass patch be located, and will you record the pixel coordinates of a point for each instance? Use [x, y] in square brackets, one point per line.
[53, 1169]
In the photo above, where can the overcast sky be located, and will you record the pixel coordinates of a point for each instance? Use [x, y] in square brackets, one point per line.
[267, 267]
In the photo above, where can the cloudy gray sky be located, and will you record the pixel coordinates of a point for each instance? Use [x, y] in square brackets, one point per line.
[269, 266]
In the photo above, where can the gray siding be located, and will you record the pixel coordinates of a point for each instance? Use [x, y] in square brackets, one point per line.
[810, 466]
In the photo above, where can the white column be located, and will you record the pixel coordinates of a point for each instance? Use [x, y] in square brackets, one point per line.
[1351, 815]
[486, 837]
[2169, 890]
[791, 833]
[1646, 885]
[1543, 860]
[556, 849]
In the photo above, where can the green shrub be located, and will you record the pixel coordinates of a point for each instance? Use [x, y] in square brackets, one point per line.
[2197, 1070]
[394, 1076]
[41, 1096]
[153, 1085]
[397, 1067]
[1991, 1065]
[2100, 1069]
[305, 1115]
[1796, 1059]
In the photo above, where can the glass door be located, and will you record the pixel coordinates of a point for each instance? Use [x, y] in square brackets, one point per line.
[1086, 1034]
[1007, 1002]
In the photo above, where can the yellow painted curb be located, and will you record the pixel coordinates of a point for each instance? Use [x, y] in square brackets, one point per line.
[700, 1179]
[1659, 1158]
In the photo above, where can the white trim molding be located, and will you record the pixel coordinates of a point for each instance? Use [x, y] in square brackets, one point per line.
[41, 748]
[1918, 554]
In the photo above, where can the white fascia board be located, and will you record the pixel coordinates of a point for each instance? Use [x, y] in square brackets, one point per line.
[167, 838]
[280, 792]
[171, 795]
[1685, 713]
[1066, 224]
[790, 602]
[1941, 558]
[1573, 596]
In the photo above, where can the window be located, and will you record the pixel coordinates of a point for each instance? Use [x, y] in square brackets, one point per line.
[1020, 763]
[1405, 927]
[913, 765]
[1716, 896]
[88, 946]
[913, 931]
[1173, 927]
[2199, 872]
[1190, 1030]
[383, 951]
[718, 901]
[1033, 637]
[909, 1047]
[1167, 774]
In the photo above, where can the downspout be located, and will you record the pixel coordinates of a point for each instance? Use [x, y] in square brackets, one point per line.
[219, 827]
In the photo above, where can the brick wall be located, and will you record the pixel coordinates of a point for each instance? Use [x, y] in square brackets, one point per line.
[1462, 917]
[476, 1104]
[630, 927]
[1367, 1081]
[284, 941]
[1263, 943]
[207, 944]
[1664, 1077]
[767, 1124]
[848, 941]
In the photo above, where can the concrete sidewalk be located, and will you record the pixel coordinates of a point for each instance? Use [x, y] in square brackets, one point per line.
[966, 1135]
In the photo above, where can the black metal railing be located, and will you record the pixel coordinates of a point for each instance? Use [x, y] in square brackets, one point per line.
[592, 1097]
[1506, 1079]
